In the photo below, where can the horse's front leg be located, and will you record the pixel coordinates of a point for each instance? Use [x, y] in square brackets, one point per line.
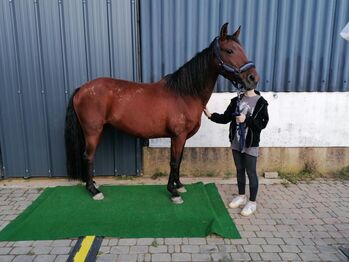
[174, 185]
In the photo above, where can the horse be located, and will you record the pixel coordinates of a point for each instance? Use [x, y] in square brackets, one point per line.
[171, 107]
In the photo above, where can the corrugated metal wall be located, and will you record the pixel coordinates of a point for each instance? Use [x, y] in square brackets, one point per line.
[294, 43]
[47, 49]
[50, 47]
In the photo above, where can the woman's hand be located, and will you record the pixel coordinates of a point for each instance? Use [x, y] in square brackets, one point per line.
[207, 113]
[240, 119]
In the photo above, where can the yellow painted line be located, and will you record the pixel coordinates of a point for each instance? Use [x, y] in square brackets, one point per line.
[85, 247]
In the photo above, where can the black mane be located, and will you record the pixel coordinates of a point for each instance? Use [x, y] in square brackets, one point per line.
[191, 78]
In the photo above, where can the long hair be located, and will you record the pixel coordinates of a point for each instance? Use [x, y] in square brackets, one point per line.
[191, 78]
[74, 143]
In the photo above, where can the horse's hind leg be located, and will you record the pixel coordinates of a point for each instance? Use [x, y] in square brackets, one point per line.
[91, 146]
[177, 146]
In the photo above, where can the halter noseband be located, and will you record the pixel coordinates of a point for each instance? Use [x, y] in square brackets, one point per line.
[230, 68]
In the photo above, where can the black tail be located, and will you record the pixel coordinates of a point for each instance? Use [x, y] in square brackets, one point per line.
[74, 143]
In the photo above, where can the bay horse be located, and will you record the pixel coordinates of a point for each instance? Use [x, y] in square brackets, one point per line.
[171, 107]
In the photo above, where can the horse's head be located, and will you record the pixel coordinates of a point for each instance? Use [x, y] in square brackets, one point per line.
[232, 61]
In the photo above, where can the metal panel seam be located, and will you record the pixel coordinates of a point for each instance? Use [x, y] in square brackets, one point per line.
[20, 86]
[42, 81]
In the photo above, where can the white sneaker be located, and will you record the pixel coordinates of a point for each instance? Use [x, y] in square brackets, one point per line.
[249, 208]
[240, 200]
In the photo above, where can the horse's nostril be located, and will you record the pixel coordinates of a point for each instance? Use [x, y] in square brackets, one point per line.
[251, 78]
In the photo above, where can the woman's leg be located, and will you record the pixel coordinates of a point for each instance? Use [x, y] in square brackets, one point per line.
[250, 163]
[240, 171]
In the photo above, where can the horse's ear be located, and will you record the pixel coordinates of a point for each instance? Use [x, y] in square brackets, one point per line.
[224, 32]
[237, 33]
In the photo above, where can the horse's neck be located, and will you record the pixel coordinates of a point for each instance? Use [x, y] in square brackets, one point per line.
[211, 81]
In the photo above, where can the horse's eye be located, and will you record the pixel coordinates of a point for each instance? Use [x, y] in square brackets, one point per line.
[229, 51]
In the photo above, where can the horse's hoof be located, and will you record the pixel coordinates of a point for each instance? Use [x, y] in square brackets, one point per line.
[181, 189]
[98, 196]
[177, 200]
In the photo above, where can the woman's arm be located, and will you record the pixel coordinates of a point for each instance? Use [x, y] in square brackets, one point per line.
[224, 118]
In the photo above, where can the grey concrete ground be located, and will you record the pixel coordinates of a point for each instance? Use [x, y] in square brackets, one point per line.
[304, 222]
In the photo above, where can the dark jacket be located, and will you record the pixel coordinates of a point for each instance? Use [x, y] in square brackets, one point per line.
[255, 123]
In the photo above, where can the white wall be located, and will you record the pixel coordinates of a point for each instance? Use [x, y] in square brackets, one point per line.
[296, 120]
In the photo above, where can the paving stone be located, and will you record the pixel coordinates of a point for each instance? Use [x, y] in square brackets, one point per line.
[113, 242]
[61, 258]
[271, 248]
[256, 241]
[270, 256]
[140, 257]
[147, 258]
[61, 243]
[60, 250]
[5, 250]
[23, 258]
[190, 249]
[220, 257]
[138, 249]
[292, 241]
[308, 249]
[6, 258]
[200, 257]
[41, 250]
[241, 241]
[171, 249]
[183, 257]
[160, 257]
[120, 250]
[105, 242]
[3, 243]
[255, 256]
[290, 249]
[274, 241]
[227, 248]
[104, 250]
[107, 258]
[23, 244]
[289, 256]
[197, 241]
[214, 241]
[161, 241]
[158, 249]
[309, 257]
[127, 258]
[173, 241]
[240, 257]
[127, 242]
[205, 249]
[253, 248]
[329, 257]
[45, 258]
[261, 234]
[42, 243]
[20, 250]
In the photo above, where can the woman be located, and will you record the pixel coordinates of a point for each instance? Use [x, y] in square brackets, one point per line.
[248, 117]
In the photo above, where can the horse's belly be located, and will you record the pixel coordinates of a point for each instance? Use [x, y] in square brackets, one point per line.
[140, 126]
